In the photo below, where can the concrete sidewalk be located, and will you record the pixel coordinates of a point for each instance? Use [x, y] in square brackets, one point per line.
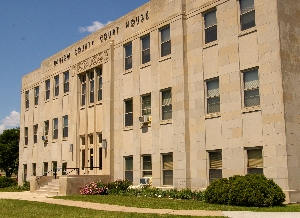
[96, 206]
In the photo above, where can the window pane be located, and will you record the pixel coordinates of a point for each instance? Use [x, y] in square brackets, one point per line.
[166, 97]
[210, 18]
[147, 165]
[213, 105]
[168, 177]
[215, 174]
[246, 5]
[211, 34]
[167, 112]
[145, 56]
[128, 163]
[128, 63]
[129, 175]
[168, 162]
[128, 50]
[252, 98]
[166, 48]
[128, 119]
[128, 105]
[248, 20]
[251, 79]
[255, 158]
[215, 159]
[146, 42]
[213, 88]
[165, 34]
[255, 170]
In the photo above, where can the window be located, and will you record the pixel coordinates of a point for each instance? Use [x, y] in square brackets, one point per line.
[26, 135]
[46, 130]
[210, 22]
[145, 49]
[213, 96]
[55, 128]
[215, 165]
[128, 113]
[82, 159]
[82, 140]
[165, 41]
[147, 166]
[27, 99]
[83, 89]
[92, 86]
[35, 131]
[129, 168]
[45, 168]
[128, 56]
[99, 74]
[167, 169]
[99, 136]
[65, 126]
[255, 161]
[146, 104]
[100, 159]
[66, 81]
[166, 104]
[25, 172]
[64, 168]
[47, 87]
[34, 169]
[247, 16]
[91, 159]
[91, 139]
[251, 88]
[56, 85]
[36, 95]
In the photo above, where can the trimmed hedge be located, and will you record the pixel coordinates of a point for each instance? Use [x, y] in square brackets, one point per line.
[7, 182]
[250, 190]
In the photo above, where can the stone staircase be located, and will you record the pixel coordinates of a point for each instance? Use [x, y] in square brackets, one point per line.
[51, 189]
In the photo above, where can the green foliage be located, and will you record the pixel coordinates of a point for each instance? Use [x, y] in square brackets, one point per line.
[9, 150]
[7, 182]
[250, 190]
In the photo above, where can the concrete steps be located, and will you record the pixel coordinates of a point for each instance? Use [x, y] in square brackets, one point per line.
[51, 189]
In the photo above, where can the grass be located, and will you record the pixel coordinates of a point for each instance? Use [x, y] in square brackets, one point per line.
[161, 203]
[27, 209]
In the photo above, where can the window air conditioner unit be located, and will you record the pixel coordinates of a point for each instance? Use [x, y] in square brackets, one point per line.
[144, 181]
[45, 138]
[145, 119]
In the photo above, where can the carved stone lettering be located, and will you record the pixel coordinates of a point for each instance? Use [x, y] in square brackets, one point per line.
[136, 21]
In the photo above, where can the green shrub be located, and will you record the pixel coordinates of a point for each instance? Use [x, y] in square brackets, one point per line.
[7, 182]
[249, 190]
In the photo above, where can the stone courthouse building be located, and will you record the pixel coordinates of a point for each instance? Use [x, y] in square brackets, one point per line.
[182, 91]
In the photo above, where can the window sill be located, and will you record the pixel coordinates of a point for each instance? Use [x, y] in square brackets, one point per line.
[251, 109]
[248, 31]
[82, 107]
[145, 65]
[66, 94]
[47, 101]
[212, 115]
[99, 102]
[54, 140]
[164, 58]
[91, 105]
[128, 128]
[165, 122]
[36, 106]
[127, 71]
[210, 44]
[145, 125]
[65, 139]
[27, 109]
[56, 97]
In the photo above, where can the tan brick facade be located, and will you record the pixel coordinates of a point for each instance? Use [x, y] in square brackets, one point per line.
[230, 95]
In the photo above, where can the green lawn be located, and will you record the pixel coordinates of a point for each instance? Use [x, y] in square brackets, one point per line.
[27, 209]
[159, 203]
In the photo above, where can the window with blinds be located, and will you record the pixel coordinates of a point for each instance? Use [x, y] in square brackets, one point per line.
[215, 165]
[129, 168]
[213, 96]
[210, 25]
[167, 168]
[251, 88]
[255, 161]
[166, 104]
[247, 14]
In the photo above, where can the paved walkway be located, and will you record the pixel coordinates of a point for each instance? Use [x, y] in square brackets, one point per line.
[95, 206]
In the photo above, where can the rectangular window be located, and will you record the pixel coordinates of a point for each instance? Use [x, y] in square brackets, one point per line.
[99, 75]
[26, 135]
[167, 169]
[92, 87]
[66, 81]
[47, 87]
[65, 126]
[83, 89]
[145, 49]
[34, 169]
[99, 136]
[56, 85]
[64, 168]
[210, 22]
[165, 39]
[46, 130]
[129, 168]
[215, 165]
[251, 88]
[146, 104]
[247, 16]
[166, 104]
[36, 95]
[35, 131]
[55, 128]
[91, 159]
[213, 96]
[147, 166]
[128, 56]
[45, 168]
[27, 99]
[255, 161]
[100, 159]
[83, 159]
[128, 113]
